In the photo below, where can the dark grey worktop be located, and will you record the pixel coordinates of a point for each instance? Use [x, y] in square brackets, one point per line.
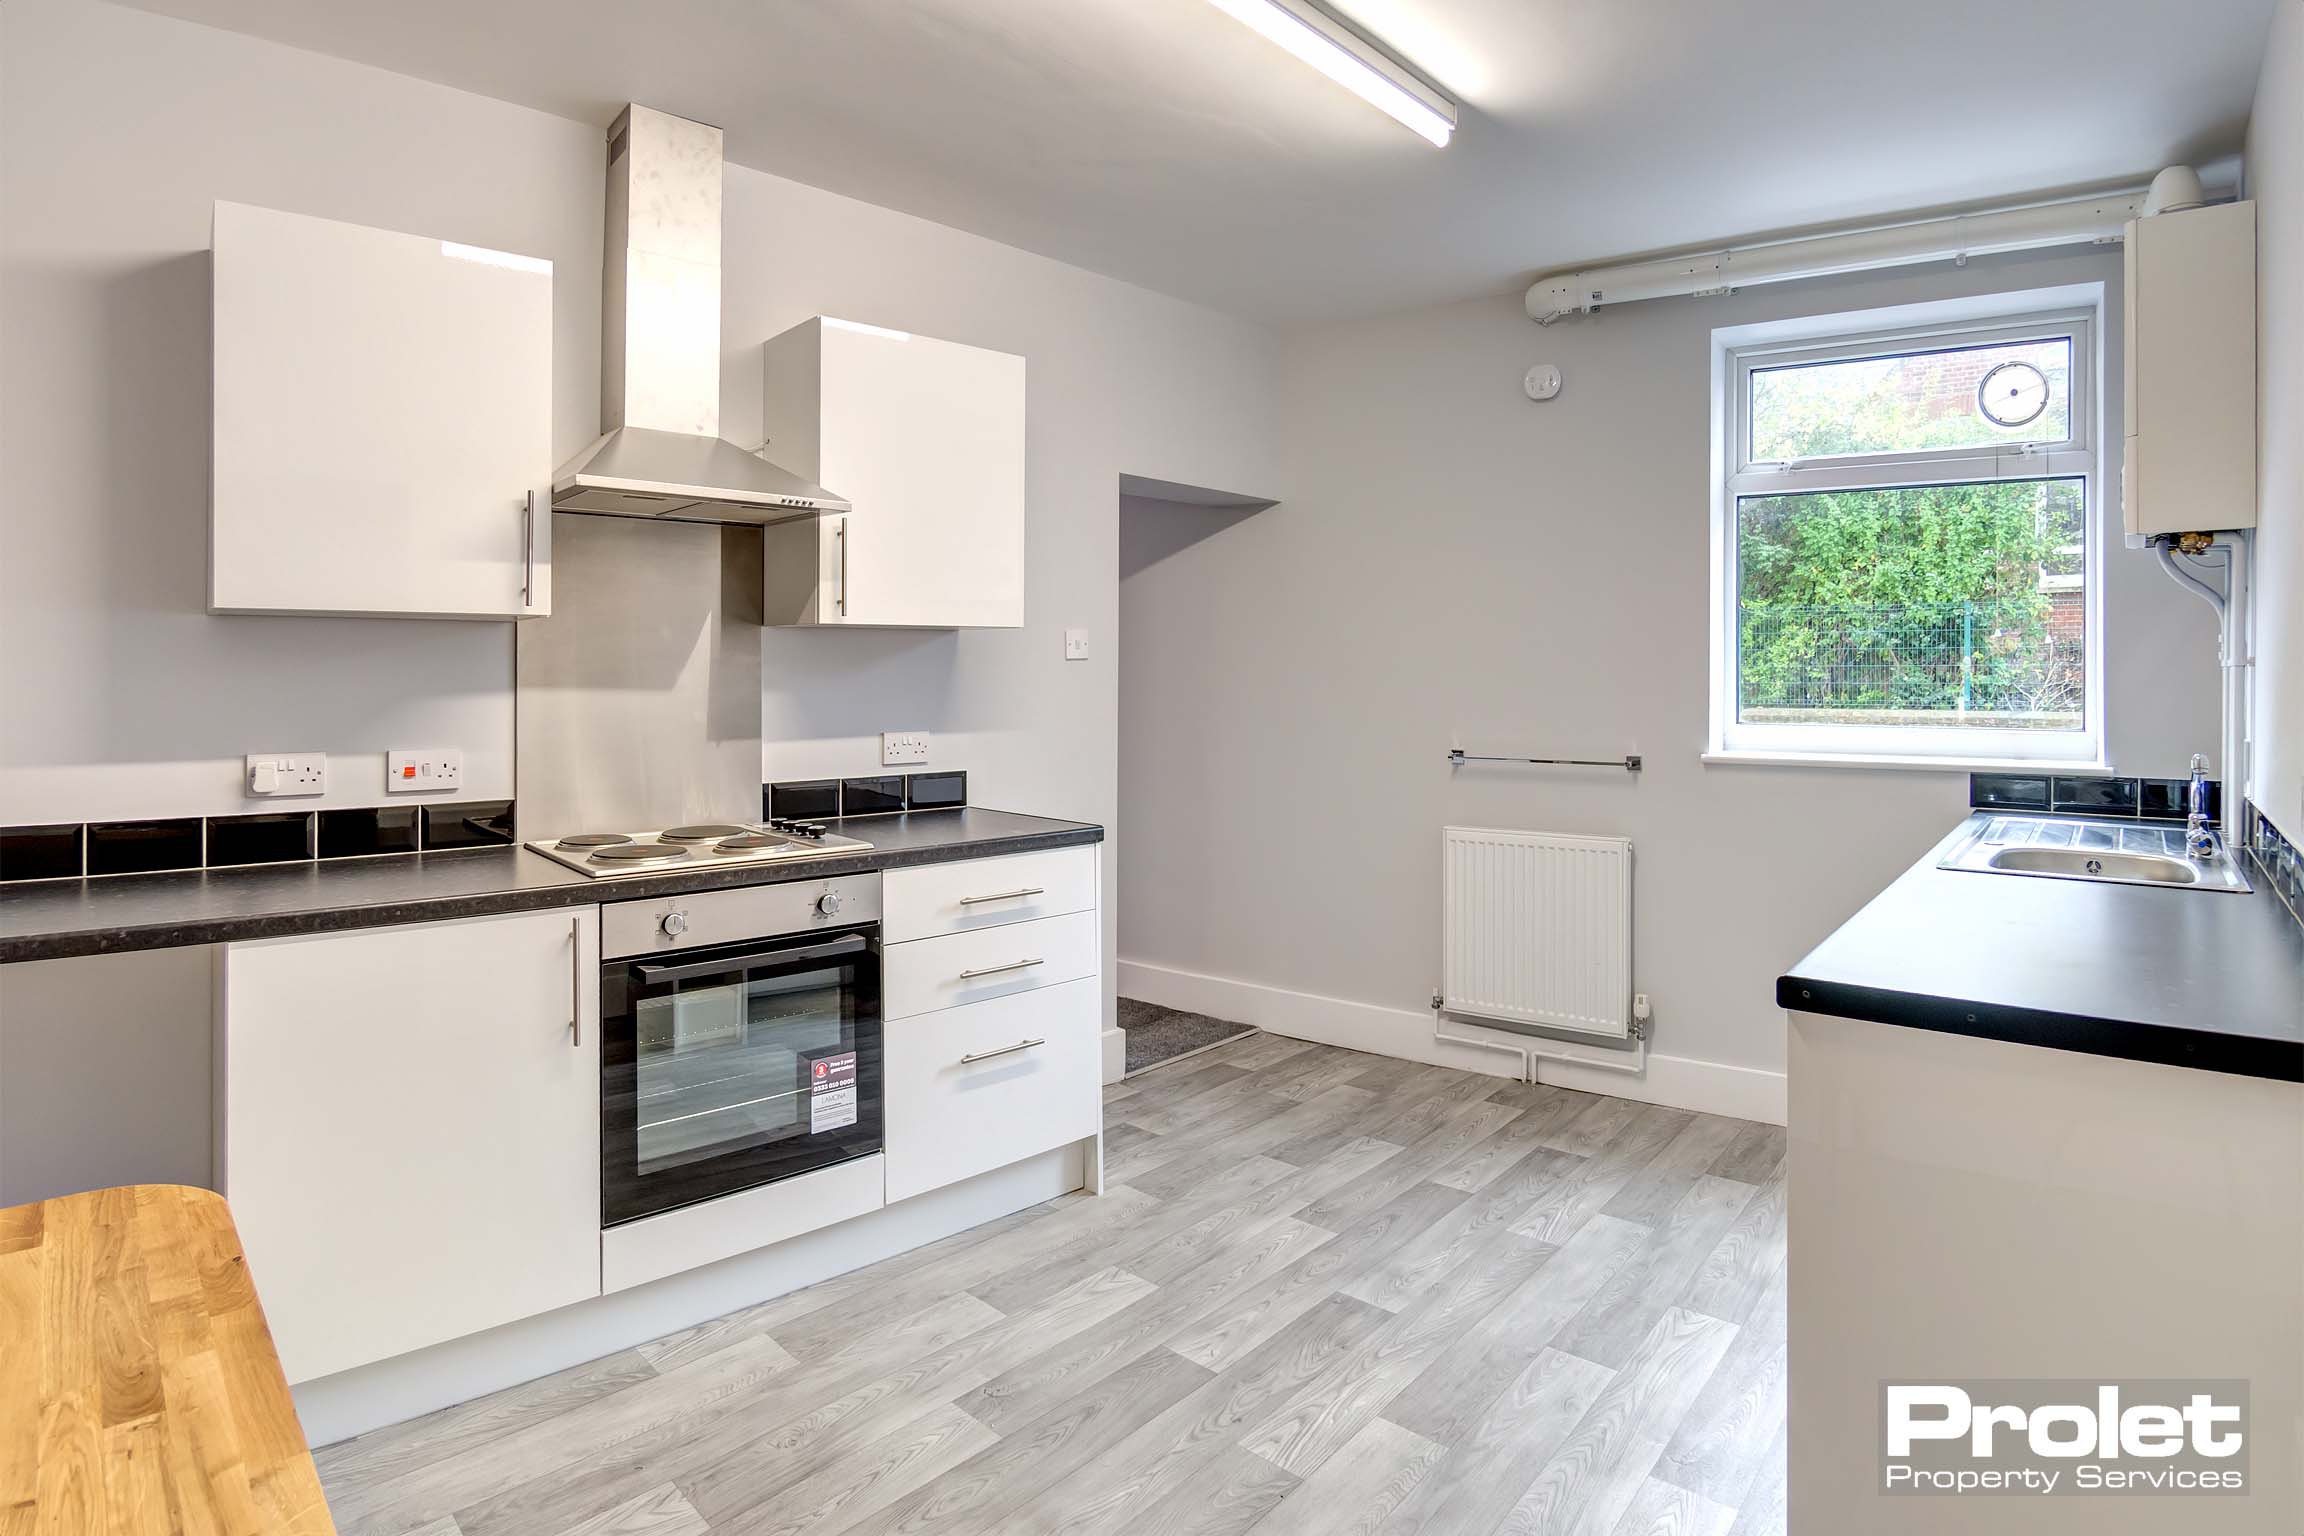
[2187, 978]
[51, 919]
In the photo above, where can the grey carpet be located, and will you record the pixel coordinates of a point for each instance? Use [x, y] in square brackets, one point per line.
[1157, 1035]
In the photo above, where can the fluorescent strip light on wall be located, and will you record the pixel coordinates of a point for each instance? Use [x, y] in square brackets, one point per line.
[1352, 59]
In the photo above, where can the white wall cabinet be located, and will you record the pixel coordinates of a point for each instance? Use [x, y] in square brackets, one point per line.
[408, 1129]
[383, 417]
[926, 438]
[2189, 405]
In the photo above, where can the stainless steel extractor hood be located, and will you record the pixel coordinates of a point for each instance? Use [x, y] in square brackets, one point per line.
[662, 454]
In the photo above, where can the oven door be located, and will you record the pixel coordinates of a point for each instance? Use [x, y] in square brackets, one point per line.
[730, 1067]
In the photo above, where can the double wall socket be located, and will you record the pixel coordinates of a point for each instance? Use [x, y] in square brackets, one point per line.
[285, 775]
[423, 772]
[903, 747]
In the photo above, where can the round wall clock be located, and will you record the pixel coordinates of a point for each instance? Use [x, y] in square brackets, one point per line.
[2012, 394]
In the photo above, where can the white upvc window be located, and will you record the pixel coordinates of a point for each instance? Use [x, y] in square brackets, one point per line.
[1905, 535]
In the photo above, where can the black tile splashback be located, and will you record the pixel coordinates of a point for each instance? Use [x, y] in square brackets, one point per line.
[2008, 791]
[805, 799]
[2277, 859]
[365, 830]
[2170, 799]
[479, 824]
[40, 853]
[139, 847]
[269, 838]
[2158, 799]
[866, 795]
[2096, 797]
[872, 796]
[935, 791]
[67, 850]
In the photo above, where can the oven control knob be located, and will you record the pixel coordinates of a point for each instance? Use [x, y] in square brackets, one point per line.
[674, 924]
[829, 903]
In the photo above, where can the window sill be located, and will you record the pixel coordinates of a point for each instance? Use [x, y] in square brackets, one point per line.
[1908, 764]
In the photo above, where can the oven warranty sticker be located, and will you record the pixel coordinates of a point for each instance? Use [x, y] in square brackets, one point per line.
[831, 1092]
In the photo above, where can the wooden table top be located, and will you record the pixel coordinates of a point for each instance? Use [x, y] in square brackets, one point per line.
[138, 1386]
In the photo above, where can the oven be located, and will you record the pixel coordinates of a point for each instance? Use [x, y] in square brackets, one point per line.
[739, 1040]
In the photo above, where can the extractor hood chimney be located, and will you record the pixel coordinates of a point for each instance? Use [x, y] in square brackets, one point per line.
[662, 455]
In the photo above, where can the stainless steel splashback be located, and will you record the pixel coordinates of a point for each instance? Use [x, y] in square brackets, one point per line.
[638, 700]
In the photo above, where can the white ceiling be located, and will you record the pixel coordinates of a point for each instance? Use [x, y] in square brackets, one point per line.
[1162, 142]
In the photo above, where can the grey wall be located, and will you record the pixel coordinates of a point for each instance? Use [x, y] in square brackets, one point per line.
[121, 696]
[1458, 565]
[2275, 178]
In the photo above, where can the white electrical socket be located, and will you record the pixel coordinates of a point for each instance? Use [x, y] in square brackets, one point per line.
[286, 775]
[1075, 645]
[423, 771]
[903, 747]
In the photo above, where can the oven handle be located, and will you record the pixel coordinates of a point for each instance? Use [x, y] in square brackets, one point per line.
[853, 944]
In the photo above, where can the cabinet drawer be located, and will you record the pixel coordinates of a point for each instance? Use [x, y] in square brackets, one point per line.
[951, 1118]
[957, 969]
[986, 893]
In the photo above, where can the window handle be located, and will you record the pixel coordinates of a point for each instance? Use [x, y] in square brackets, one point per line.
[1000, 970]
[1006, 1050]
[1029, 890]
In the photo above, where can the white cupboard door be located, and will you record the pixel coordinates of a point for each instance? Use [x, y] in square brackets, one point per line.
[383, 415]
[926, 438]
[977, 1088]
[408, 1129]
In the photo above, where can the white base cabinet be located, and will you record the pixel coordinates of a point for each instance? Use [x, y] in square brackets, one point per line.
[995, 1003]
[408, 1129]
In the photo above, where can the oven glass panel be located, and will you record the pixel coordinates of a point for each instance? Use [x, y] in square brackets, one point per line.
[726, 1064]
[728, 1068]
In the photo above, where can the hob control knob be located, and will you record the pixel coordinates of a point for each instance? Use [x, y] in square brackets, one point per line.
[829, 903]
[674, 924]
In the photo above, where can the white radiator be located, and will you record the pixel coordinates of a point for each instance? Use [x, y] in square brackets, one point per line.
[1536, 930]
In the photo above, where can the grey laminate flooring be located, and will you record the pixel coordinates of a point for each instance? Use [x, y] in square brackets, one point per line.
[1325, 1293]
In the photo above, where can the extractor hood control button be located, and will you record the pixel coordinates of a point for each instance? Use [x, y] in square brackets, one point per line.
[674, 924]
[829, 903]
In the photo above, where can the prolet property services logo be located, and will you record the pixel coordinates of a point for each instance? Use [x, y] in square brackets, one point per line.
[2051, 1438]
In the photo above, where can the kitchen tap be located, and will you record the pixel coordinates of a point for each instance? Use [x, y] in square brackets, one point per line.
[2199, 839]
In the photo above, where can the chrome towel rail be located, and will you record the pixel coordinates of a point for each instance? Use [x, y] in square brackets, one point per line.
[1458, 757]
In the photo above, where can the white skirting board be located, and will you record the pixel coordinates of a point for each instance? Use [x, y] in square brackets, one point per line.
[1716, 1088]
[337, 1407]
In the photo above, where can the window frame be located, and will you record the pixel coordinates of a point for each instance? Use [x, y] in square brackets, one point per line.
[1739, 351]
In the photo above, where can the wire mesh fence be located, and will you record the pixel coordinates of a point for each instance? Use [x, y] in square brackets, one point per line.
[2014, 661]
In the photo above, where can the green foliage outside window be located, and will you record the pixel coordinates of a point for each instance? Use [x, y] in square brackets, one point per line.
[1915, 601]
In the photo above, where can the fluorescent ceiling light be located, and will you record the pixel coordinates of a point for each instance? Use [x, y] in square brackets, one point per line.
[1351, 58]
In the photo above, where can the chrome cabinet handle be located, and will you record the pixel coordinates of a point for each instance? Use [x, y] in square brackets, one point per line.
[576, 983]
[528, 553]
[996, 970]
[1006, 1050]
[840, 545]
[1030, 890]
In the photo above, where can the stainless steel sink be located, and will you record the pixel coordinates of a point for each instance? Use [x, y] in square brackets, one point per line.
[2109, 852]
